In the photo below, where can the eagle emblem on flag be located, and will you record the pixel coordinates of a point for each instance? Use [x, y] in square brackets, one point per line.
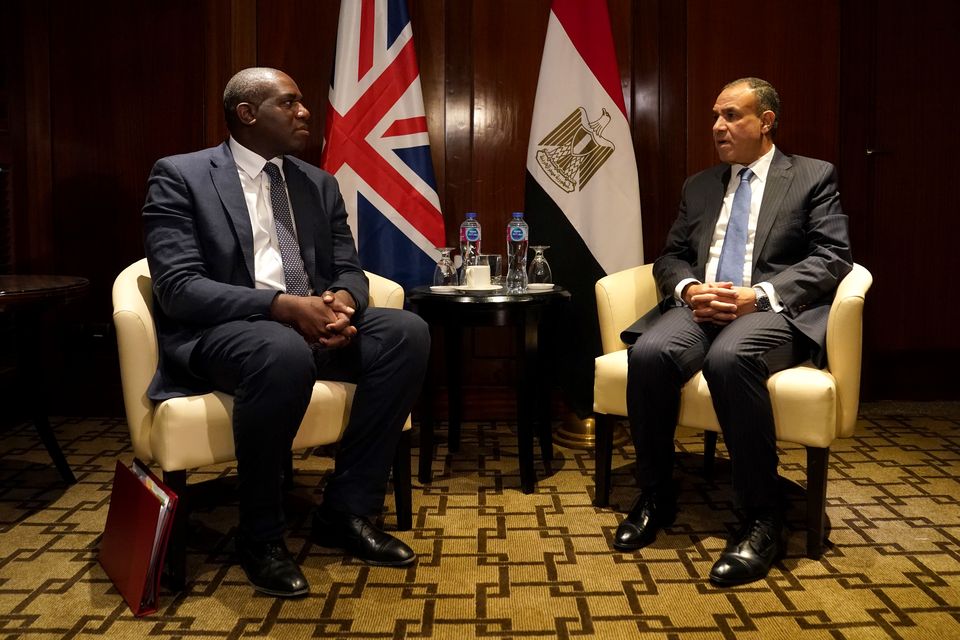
[575, 150]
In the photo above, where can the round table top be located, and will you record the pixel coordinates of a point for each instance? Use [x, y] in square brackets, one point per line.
[24, 289]
[499, 296]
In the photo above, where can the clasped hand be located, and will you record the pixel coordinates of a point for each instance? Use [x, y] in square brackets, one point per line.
[719, 302]
[325, 319]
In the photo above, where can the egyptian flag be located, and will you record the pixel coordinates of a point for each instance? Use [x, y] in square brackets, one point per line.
[582, 193]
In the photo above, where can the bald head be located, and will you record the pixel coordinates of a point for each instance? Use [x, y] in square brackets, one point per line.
[265, 112]
[251, 85]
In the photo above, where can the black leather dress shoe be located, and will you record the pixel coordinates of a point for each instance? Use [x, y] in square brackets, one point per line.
[361, 539]
[271, 569]
[650, 513]
[750, 554]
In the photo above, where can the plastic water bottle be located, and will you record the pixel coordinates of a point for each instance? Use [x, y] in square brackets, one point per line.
[518, 237]
[469, 243]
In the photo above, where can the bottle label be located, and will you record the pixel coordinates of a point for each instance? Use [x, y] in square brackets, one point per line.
[472, 234]
[518, 233]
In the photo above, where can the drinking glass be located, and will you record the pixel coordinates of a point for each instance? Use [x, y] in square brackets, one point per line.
[539, 270]
[495, 262]
[445, 274]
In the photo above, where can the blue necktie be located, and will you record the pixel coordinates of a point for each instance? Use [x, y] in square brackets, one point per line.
[735, 239]
[294, 273]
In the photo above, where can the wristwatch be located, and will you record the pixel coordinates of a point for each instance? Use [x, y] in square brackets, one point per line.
[763, 302]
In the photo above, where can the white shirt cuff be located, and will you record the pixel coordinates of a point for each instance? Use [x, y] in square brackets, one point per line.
[678, 292]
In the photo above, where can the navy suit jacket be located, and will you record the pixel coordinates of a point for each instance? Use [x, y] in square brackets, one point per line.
[801, 245]
[199, 245]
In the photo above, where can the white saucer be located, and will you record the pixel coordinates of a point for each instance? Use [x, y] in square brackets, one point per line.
[540, 286]
[437, 288]
[486, 287]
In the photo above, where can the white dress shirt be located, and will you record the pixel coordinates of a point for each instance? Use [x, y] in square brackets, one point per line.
[267, 262]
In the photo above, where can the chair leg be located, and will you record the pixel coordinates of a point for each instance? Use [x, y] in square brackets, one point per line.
[175, 576]
[402, 486]
[425, 472]
[605, 425]
[49, 441]
[709, 452]
[818, 460]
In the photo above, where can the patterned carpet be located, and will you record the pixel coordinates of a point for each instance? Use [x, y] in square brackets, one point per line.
[495, 563]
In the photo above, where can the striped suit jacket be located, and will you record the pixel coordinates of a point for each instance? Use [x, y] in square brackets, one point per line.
[801, 245]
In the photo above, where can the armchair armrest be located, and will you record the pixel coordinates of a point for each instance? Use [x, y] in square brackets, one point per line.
[623, 297]
[845, 345]
[384, 292]
[137, 345]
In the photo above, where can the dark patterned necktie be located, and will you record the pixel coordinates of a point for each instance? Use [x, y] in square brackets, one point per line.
[735, 239]
[293, 271]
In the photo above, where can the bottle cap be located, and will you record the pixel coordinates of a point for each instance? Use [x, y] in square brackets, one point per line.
[518, 214]
[471, 215]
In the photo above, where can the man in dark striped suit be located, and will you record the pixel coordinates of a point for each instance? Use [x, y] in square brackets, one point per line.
[746, 280]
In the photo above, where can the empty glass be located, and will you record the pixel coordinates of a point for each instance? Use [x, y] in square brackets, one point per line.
[445, 275]
[495, 262]
[539, 270]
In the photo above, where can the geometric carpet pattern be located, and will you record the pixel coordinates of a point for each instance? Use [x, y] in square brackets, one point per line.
[495, 563]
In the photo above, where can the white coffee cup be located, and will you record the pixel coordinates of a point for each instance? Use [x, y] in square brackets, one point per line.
[478, 276]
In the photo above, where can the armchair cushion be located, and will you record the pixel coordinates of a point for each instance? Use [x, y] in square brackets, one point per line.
[804, 400]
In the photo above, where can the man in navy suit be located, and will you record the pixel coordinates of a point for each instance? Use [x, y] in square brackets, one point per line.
[746, 280]
[259, 303]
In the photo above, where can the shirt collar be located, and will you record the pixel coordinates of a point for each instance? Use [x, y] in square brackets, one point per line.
[760, 166]
[251, 162]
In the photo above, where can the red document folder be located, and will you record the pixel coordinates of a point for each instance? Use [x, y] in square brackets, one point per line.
[135, 537]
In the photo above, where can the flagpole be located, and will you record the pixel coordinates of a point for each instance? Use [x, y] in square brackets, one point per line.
[575, 432]
[582, 195]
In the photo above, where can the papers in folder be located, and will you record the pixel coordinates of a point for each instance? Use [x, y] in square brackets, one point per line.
[135, 537]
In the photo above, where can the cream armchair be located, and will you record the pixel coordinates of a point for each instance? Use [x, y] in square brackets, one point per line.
[811, 406]
[194, 431]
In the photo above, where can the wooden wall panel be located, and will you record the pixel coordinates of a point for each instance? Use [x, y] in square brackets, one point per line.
[659, 114]
[910, 216]
[458, 80]
[98, 92]
[230, 32]
[793, 45]
[27, 60]
[301, 40]
[429, 37]
[507, 46]
[129, 99]
[624, 28]
[900, 138]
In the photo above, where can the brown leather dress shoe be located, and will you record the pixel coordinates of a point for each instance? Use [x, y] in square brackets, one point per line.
[360, 538]
[271, 569]
[650, 513]
[749, 555]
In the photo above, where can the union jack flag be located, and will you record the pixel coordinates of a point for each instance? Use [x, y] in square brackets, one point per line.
[376, 143]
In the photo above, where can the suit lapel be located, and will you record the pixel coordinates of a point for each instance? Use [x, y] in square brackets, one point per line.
[223, 172]
[778, 183]
[303, 203]
[713, 202]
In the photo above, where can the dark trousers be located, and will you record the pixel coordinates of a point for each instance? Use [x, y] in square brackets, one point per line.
[736, 360]
[270, 371]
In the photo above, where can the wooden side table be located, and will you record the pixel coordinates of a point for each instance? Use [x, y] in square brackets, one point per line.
[27, 297]
[451, 312]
